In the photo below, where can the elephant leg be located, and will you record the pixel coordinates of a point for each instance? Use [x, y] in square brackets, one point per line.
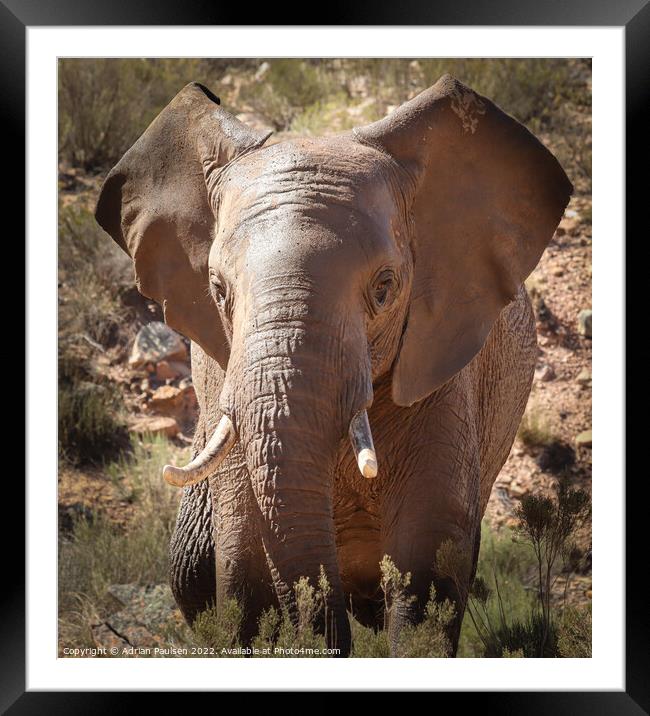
[192, 553]
[422, 567]
[436, 502]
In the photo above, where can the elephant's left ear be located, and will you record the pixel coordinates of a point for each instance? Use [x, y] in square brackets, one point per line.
[487, 198]
[155, 205]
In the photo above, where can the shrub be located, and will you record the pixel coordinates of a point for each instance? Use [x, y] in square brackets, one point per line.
[92, 272]
[548, 525]
[534, 429]
[90, 427]
[430, 637]
[219, 630]
[289, 87]
[91, 317]
[394, 586]
[503, 620]
[369, 643]
[574, 633]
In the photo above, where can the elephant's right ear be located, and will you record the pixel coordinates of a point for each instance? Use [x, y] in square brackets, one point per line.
[154, 204]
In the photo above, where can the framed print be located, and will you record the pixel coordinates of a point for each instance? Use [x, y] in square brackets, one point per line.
[315, 375]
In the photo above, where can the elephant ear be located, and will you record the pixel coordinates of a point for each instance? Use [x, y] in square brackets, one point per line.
[154, 204]
[487, 198]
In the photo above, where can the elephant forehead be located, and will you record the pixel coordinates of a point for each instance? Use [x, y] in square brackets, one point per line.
[329, 179]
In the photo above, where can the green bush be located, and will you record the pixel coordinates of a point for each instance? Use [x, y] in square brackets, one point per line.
[574, 633]
[90, 426]
[93, 271]
[430, 637]
[502, 622]
[91, 317]
[535, 430]
[280, 636]
[289, 87]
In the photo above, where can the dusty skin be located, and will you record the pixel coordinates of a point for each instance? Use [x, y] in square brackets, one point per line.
[378, 270]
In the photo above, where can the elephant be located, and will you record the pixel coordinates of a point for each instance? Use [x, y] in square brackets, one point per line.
[362, 343]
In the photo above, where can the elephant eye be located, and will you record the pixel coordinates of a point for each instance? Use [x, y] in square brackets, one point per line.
[384, 289]
[218, 288]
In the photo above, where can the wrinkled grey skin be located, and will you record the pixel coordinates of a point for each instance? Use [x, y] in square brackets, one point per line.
[377, 270]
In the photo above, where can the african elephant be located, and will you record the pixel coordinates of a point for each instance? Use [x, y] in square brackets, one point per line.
[372, 278]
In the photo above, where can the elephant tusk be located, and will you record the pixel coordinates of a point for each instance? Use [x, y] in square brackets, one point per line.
[207, 461]
[364, 450]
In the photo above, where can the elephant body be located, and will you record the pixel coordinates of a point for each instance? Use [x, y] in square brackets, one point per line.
[369, 282]
[440, 459]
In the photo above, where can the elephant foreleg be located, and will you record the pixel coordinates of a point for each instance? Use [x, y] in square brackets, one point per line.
[435, 502]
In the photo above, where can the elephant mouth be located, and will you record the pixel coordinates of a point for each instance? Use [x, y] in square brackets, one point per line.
[225, 436]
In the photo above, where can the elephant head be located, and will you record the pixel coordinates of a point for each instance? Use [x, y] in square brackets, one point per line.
[311, 268]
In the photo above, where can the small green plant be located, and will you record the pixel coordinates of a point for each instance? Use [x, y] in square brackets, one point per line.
[369, 643]
[430, 637]
[394, 586]
[219, 629]
[535, 430]
[574, 633]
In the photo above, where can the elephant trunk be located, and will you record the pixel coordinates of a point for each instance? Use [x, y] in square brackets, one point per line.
[292, 395]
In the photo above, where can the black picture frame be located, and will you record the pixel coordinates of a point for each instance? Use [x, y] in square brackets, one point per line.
[634, 15]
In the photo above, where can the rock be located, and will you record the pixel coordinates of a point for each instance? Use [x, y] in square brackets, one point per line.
[164, 371]
[150, 606]
[170, 370]
[584, 323]
[178, 403]
[185, 383]
[584, 439]
[584, 377]
[517, 490]
[69, 515]
[142, 617]
[105, 638]
[545, 373]
[156, 342]
[165, 399]
[570, 223]
[155, 426]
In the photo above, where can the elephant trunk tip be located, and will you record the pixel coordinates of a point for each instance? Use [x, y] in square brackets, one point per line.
[175, 476]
